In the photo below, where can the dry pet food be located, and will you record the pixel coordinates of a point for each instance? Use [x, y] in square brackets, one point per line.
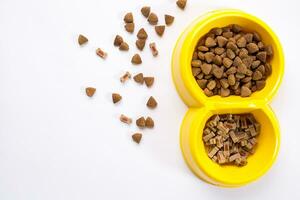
[231, 61]
[141, 122]
[129, 27]
[125, 119]
[140, 44]
[118, 40]
[82, 39]
[231, 138]
[90, 91]
[153, 19]
[149, 81]
[151, 103]
[128, 18]
[124, 46]
[125, 77]
[116, 97]
[136, 59]
[169, 19]
[101, 53]
[139, 78]
[181, 3]
[137, 137]
[142, 34]
[145, 11]
[160, 30]
[149, 122]
[153, 48]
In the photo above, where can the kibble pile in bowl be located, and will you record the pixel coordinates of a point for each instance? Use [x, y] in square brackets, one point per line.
[231, 61]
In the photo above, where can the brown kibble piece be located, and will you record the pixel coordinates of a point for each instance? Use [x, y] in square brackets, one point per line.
[140, 44]
[211, 85]
[124, 46]
[153, 19]
[252, 48]
[169, 19]
[153, 49]
[222, 41]
[125, 77]
[90, 91]
[206, 68]
[209, 56]
[207, 92]
[137, 137]
[82, 39]
[245, 91]
[218, 72]
[224, 92]
[196, 63]
[149, 81]
[118, 40]
[101, 53]
[151, 103]
[139, 78]
[142, 34]
[116, 97]
[260, 84]
[210, 42]
[202, 83]
[136, 59]
[262, 56]
[146, 11]
[141, 122]
[256, 37]
[227, 62]
[257, 75]
[160, 30]
[181, 4]
[128, 18]
[149, 122]
[269, 50]
[129, 27]
[241, 42]
[125, 119]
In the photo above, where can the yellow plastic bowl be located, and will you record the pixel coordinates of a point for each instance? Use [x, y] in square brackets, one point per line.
[203, 107]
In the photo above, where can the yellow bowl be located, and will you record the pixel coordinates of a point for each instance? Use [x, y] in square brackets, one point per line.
[203, 107]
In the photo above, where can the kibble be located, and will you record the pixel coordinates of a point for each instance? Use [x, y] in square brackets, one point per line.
[160, 30]
[153, 48]
[231, 61]
[149, 81]
[142, 34]
[181, 4]
[82, 39]
[136, 59]
[139, 78]
[231, 138]
[101, 53]
[141, 122]
[140, 44]
[129, 27]
[118, 40]
[116, 97]
[151, 103]
[146, 11]
[153, 19]
[124, 46]
[149, 122]
[169, 19]
[128, 18]
[137, 137]
[90, 91]
[125, 77]
[125, 119]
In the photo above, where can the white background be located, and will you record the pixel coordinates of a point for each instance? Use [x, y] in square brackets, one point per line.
[56, 143]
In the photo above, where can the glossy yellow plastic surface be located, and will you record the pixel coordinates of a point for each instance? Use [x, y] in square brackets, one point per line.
[202, 107]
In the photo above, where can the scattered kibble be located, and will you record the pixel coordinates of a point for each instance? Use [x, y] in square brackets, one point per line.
[141, 122]
[129, 27]
[231, 61]
[116, 97]
[149, 81]
[101, 53]
[137, 137]
[149, 122]
[142, 34]
[125, 119]
[160, 30]
[139, 78]
[169, 19]
[124, 46]
[146, 11]
[153, 48]
[181, 4]
[153, 19]
[90, 91]
[151, 103]
[136, 59]
[128, 18]
[125, 77]
[140, 44]
[118, 40]
[82, 39]
[231, 138]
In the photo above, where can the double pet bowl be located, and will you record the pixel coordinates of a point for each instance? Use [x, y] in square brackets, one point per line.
[201, 107]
